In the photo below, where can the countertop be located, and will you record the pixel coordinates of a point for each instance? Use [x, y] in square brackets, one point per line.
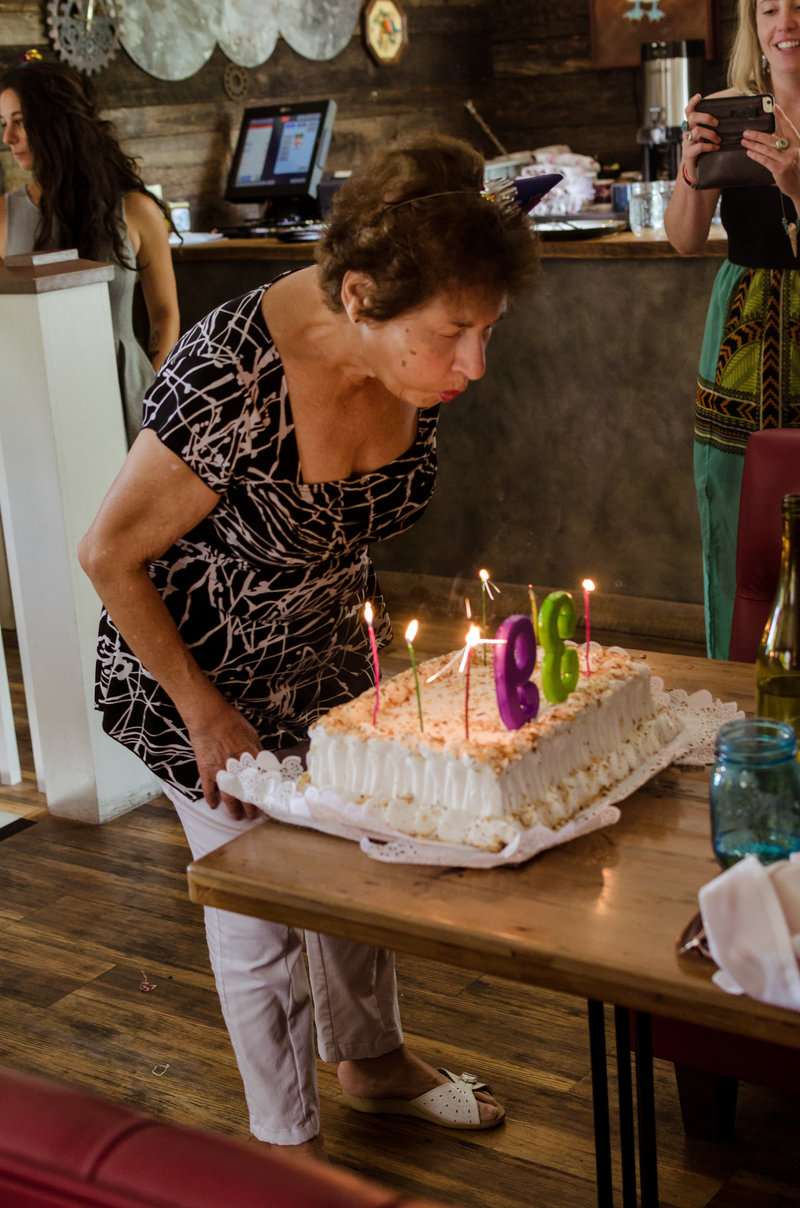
[622, 246]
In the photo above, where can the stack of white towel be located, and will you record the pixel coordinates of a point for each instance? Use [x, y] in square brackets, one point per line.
[575, 191]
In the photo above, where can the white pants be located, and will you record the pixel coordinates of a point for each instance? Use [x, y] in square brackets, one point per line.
[264, 992]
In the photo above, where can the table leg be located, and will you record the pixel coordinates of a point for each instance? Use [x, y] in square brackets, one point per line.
[602, 1127]
[646, 1109]
[627, 1140]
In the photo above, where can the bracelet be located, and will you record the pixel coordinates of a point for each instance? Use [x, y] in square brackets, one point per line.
[691, 183]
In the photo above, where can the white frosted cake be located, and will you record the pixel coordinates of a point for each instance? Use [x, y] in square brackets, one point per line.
[436, 784]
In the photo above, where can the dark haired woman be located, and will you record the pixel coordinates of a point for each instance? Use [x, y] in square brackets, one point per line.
[749, 374]
[287, 430]
[85, 193]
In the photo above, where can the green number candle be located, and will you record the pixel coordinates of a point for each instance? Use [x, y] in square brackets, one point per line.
[560, 668]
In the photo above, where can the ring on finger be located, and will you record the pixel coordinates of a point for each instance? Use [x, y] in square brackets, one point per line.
[689, 136]
[782, 144]
[684, 126]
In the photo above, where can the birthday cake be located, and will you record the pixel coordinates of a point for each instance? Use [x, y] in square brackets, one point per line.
[470, 780]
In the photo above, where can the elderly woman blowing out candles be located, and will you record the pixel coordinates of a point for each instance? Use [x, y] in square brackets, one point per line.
[287, 430]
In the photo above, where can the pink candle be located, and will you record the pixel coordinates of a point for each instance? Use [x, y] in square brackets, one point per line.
[368, 617]
[588, 586]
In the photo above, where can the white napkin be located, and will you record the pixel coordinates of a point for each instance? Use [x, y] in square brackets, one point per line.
[751, 915]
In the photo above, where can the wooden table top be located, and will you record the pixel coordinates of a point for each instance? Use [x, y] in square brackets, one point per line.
[622, 245]
[598, 917]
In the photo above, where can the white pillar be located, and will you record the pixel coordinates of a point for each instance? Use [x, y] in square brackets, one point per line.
[62, 441]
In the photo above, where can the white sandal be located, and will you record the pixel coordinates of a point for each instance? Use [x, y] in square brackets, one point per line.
[452, 1105]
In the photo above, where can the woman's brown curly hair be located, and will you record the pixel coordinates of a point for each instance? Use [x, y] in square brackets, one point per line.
[414, 221]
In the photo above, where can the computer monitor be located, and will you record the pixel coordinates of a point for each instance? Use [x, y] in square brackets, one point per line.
[279, 157]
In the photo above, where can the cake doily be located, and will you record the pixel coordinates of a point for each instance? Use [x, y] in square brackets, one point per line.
[703, 712]
[273, 786]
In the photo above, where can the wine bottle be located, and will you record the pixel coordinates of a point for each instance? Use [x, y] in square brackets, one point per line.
[778, 658]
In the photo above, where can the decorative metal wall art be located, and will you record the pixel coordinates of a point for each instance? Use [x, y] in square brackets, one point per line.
[172, 39]
[84, 33]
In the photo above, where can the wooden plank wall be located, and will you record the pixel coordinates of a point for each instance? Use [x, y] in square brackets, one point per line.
[525, 63]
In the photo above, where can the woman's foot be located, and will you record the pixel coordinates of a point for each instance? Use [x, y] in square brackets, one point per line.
[402, 1075]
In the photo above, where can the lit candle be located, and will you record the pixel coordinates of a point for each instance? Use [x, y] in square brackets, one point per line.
[472, 639]
[560, 667]
[368, 616]
[486, 590]
[514, 661]
[411, 633]
[534, 612]
[588, 587]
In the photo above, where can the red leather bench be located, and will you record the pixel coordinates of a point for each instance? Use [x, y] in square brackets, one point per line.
[62, 1148]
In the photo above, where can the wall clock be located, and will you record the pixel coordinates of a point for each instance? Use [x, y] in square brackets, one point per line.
[385, 30]
[84, 33]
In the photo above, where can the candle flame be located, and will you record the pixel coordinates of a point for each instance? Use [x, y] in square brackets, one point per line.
[470, 642]
[487, 587]
[368, 613]
[411, 631]
[588, 585]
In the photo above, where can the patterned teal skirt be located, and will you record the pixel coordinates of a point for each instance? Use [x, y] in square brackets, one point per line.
[749, 379]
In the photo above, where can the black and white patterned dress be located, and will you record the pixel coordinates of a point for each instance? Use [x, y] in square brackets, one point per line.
[268, 591]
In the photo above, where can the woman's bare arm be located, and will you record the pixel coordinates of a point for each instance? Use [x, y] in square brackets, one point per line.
[154, 500]
[149, 236]
[687, 221]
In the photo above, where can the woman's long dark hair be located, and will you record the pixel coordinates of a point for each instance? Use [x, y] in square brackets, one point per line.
[77, 160]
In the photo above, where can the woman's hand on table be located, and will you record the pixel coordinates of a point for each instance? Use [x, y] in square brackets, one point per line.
[778, 152]
[217, 735]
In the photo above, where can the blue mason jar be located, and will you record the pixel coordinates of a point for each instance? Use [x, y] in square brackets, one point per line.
[755, 791]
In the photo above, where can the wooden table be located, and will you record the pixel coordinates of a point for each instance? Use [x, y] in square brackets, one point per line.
[598, 917]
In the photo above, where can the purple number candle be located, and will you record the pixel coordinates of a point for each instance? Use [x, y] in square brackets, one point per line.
[514, 661]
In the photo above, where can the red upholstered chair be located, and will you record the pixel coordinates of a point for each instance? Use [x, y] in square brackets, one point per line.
[64, 1148]
[771, 470]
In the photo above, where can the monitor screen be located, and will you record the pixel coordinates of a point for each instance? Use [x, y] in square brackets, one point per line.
[281, 151]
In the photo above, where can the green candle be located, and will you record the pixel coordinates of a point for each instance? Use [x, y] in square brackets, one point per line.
[411, 633]
[560, 668]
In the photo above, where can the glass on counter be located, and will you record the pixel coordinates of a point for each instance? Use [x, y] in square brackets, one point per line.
[648, 202]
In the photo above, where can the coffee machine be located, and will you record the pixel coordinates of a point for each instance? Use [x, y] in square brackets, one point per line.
[670, 76]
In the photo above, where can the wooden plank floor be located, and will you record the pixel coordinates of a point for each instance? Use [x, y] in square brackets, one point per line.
[84, 911]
